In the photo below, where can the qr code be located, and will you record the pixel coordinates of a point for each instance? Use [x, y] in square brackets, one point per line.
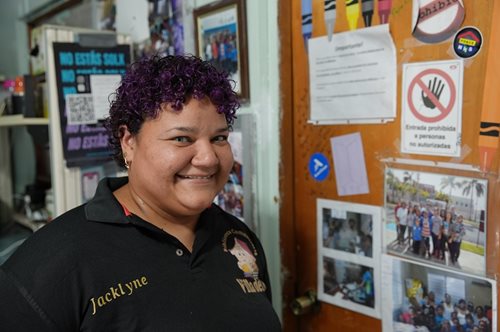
[80, 109]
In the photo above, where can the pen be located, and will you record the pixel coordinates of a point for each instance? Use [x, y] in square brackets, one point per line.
[384, 10]
[330, 15]
[367, 11]
[306, 20]
[352, 12]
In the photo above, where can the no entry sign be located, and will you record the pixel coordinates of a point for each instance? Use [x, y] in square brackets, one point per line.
[431, 108]
[439, 83]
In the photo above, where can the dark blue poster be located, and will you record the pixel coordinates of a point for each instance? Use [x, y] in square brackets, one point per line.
[84, 144]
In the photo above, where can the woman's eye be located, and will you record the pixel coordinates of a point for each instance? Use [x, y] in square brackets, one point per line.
[182, 139]
[220, 138]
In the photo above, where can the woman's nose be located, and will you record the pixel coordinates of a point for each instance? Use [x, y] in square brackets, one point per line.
[205, 155]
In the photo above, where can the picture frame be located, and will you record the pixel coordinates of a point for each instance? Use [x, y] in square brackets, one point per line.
[221, 38]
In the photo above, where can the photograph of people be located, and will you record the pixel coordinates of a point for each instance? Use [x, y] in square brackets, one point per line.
[347, 281]
[437, 218]
[349, 249]
[348, 231]
[166, 30]
[427, 299]
[220, 47]
[151, 251]
[230, 199]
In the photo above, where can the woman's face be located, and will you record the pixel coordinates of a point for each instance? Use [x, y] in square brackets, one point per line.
[181, 159]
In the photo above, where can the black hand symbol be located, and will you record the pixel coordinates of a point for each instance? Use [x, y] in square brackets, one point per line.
[436, 90]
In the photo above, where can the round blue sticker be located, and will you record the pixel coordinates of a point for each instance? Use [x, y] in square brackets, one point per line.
[319, 167]
[467, 42]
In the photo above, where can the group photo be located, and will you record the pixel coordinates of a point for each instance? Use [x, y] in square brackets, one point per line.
[426, 299]
[436, 218]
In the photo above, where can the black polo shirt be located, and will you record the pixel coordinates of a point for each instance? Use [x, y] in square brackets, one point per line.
[97, 269]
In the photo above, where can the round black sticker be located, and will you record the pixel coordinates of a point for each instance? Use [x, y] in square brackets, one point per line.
[467, 42]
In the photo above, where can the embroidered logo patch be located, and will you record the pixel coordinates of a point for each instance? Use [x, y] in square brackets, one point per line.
[238, 244]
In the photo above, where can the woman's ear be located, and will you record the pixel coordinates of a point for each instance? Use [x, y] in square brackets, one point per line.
[127, 141]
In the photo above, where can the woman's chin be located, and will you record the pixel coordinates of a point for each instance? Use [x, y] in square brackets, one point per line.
[198, 205]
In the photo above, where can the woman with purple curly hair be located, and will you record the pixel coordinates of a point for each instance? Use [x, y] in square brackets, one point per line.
[150, 252]
[153, 82]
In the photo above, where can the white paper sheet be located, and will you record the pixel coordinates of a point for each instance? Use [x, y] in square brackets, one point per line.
[353, 77]
[102, 86]
[349, 163]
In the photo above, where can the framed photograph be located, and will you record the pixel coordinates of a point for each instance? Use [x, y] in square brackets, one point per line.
[349, 255]
[436, 218]
[421, 298]
[221, 38]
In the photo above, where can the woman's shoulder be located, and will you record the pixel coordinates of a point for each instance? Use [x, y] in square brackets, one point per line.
[228, 219]
[55, 244]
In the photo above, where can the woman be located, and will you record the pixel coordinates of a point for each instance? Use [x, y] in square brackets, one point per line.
[455, 240]
[150, 252]
[412, 216]
[401, 215]
[436, 232]
[426, 223]
[447, 223]
[417, 237]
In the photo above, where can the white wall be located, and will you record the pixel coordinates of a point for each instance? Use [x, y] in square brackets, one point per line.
[14, 40]
[14, 58]
[14, 61]
[263, 52]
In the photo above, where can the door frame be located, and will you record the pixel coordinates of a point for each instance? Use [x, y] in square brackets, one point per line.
[286, 167]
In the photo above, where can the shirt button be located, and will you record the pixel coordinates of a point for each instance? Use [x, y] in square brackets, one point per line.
[179, 252]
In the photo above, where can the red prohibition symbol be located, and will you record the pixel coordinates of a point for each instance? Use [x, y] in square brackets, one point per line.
[443, 109]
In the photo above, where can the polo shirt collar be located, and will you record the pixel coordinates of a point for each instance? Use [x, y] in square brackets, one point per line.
[104, 207]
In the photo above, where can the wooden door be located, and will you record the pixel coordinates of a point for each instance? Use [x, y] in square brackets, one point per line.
[300, 139]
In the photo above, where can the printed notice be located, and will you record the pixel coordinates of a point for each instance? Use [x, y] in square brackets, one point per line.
[353, 77]
[102, 86]
[85, 77]
[432, 108]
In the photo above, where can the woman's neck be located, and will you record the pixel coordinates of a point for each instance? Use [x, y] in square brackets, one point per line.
[181, 227]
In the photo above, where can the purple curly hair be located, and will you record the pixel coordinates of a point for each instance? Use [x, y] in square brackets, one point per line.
[174, 79]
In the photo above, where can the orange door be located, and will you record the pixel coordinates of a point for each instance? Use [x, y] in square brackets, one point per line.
[300, 140]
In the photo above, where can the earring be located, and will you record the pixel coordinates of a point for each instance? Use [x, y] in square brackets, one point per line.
[127, 165]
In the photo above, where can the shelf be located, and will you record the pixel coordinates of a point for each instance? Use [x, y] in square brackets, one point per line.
[20, 120]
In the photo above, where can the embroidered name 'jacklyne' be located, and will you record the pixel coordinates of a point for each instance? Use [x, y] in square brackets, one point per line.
[117, 291]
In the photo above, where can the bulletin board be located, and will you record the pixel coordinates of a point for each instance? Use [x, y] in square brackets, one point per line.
[382, 149]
